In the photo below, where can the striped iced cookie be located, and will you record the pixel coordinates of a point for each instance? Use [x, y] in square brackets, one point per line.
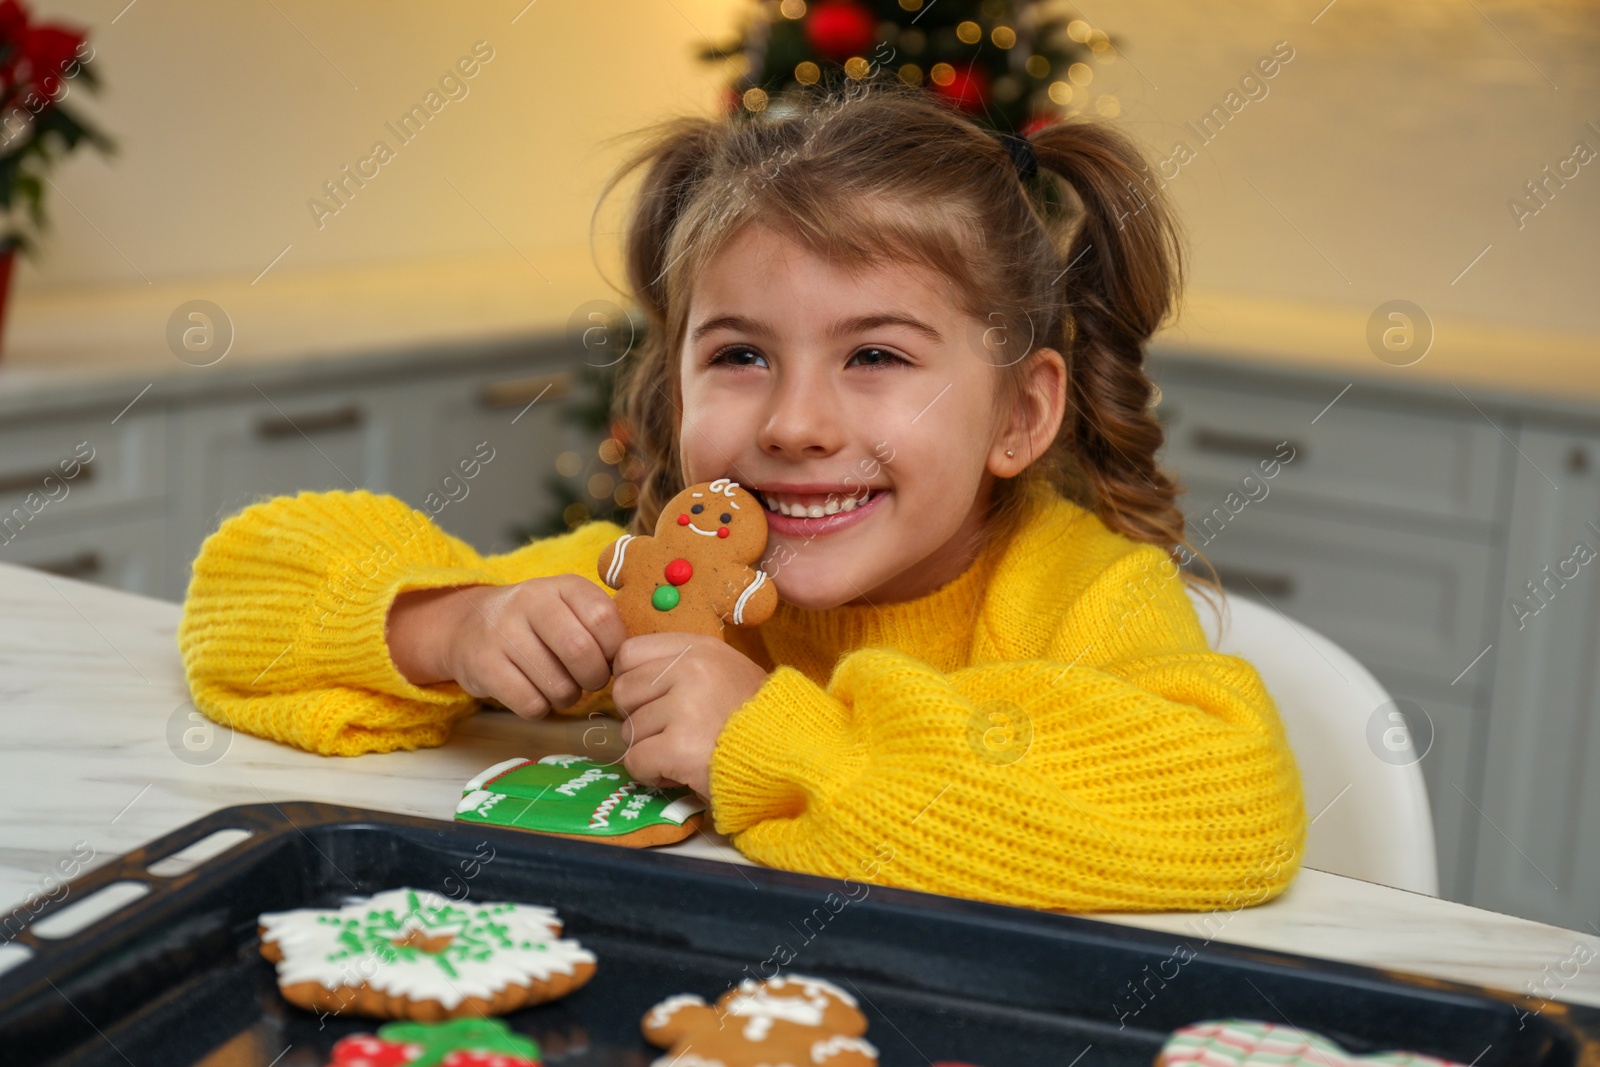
[1247, 1043]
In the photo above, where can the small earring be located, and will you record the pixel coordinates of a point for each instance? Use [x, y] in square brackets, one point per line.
[1010, 452]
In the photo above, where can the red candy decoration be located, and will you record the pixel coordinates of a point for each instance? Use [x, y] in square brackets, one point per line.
[683, 520]
[365, 1050]
[722, 531]
[679, 571]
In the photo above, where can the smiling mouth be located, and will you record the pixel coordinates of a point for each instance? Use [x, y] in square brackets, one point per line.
[816, 505]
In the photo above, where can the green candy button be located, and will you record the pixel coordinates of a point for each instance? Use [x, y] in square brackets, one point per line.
[665, 598]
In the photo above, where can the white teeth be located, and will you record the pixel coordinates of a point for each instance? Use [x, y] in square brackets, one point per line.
[836, 503]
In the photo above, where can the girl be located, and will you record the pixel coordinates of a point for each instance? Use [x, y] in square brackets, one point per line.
[922, 348]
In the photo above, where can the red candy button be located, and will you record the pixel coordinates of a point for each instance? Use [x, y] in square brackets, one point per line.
[683, 520]
[722, 531]
[679, 571]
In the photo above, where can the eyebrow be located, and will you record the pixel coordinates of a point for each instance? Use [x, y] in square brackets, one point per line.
[842, 328]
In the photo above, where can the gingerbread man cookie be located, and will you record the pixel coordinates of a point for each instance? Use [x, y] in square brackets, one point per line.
[1246, 1043]
[697, 573]
[793, 1021]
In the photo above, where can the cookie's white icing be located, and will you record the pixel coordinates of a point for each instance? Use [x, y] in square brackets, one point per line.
[492, 946]
[614, 572]
[812, 986]
[744, 598]
[825, 1050]
[682, 808]
[593, 774]
[761, 1008]
[724, 486]
[476, 797]
[662, 1013]
[482, 778]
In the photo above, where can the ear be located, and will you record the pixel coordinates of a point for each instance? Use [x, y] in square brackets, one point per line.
[1034, 420]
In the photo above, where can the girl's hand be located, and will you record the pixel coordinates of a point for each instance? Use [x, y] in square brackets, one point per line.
[532, 646]
[678, 691]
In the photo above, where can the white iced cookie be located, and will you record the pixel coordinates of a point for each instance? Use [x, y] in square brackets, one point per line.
[412, 954]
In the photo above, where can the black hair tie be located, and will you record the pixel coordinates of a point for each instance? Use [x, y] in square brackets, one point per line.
[1020, 149]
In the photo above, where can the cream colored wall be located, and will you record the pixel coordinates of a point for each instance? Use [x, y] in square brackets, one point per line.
[231, 115]
[1381, 160]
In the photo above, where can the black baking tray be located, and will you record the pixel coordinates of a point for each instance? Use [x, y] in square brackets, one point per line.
[176, 978]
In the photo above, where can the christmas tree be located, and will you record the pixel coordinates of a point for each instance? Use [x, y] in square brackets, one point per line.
[601, 485]
[1013, 65]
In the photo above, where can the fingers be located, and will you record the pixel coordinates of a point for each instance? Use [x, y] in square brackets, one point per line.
[653, 760]
[636, 651]
[647, 667]
[523, 662]
[599, 616]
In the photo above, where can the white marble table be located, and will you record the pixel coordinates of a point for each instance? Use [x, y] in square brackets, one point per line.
[93, 709]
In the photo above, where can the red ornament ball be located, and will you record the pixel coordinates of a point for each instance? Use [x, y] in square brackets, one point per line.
[839, 29]
[679, 571]
[969, 90]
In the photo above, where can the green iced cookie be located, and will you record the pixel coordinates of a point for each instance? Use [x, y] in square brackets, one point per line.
[577, 797]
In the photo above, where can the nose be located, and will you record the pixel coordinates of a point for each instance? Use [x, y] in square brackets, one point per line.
[803, 416]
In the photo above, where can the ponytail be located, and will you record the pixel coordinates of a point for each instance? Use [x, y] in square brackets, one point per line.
[1123, 270]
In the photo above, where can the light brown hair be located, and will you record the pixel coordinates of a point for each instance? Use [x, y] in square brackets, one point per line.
[1086, 259]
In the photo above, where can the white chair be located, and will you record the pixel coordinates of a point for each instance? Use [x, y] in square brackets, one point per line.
[1363, 785]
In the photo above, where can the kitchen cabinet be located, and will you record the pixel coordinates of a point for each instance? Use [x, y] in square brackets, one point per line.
[151, 481]
[1538, 851]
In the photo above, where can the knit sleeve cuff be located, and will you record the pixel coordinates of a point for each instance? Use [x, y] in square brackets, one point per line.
[786, 749]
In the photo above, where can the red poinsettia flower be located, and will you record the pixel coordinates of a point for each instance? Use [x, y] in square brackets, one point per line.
[50, 49]
[36, 55]
[13, 17]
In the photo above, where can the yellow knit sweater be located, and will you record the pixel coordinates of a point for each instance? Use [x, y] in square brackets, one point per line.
[1049, 729]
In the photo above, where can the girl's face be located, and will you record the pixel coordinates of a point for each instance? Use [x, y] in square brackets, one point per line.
[859, 409]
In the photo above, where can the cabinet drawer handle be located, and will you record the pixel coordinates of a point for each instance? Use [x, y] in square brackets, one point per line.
[520, 392]
[18, 483]
[1273, 586]
[83, 565]
[274, 427]
[1238, 444]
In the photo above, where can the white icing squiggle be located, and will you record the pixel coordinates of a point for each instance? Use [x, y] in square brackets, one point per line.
[614, 572]
[484, 777]
[761, 1008]
[825, 1050]
[491, 946]
[662, 1013]
[744, 597]
[724, 486]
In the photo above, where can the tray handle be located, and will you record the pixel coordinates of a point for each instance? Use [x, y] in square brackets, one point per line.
[151, 866]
